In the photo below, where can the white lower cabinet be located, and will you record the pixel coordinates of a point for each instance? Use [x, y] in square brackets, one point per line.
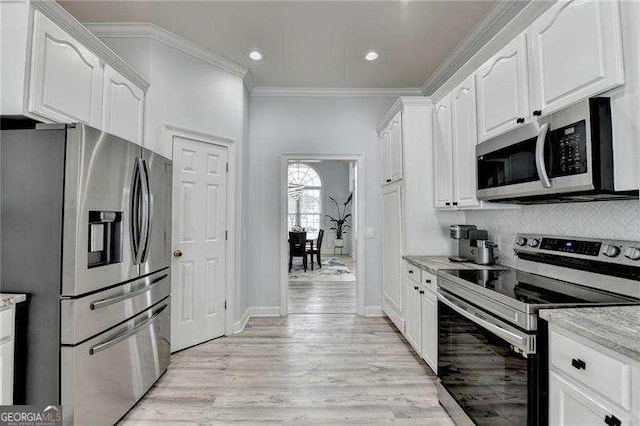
[413, 321]
[429, 321]
[571, 405]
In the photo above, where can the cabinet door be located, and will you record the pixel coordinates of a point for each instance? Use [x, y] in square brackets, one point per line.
[503, 94]
[66, 77]
[6, 373]
[413, 327]
[385, 157]
[395, 147]
[465, 135]
[429, 320]
[571, 405]
[122, 112]
[575, 51]
[442, 154]
[392, 242]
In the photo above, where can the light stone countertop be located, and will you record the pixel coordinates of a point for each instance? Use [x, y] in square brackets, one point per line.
[614, 327]
[7, 299]
[433, 263]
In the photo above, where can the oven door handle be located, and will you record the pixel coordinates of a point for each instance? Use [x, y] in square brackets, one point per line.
[540, 166]
[519, 341]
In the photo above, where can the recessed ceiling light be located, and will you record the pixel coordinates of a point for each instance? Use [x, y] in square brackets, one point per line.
[256, 56]
[371, 56]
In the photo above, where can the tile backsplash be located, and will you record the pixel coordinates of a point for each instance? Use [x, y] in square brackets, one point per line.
[607, 219]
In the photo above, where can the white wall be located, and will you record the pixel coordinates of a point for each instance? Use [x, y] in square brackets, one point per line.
[308, 126]
[189, 93]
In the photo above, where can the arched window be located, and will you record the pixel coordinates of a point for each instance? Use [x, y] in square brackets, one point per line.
[305, 198]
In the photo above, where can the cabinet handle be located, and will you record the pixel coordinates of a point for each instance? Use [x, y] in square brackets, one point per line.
[427, 281]
[411, 271]
[520, 120]
[455, 203]
[612, 420]
[388, 180]
[415, 288]
[447, 203]
[537, 113]
[421, 291]
[578, 364]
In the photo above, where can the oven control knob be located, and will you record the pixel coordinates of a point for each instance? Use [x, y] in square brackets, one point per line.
[522, 241]
[632, 253]
[533, 242]
[610, 251]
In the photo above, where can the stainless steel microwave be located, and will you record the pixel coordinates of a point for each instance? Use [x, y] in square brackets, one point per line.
[566, 157]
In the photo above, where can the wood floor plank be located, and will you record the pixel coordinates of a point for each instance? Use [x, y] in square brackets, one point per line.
[301, 369]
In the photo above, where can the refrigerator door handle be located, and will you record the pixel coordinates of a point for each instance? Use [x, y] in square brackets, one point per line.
[147, 212]
[135, 212]
[143, 211]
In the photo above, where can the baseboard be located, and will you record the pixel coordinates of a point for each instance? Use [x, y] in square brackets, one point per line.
[395, 318]
[373, 311]
[239, 325]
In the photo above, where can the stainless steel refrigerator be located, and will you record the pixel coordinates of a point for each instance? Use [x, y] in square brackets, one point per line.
[85, 232]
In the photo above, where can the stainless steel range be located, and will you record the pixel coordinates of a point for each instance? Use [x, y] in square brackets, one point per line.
[492, 349]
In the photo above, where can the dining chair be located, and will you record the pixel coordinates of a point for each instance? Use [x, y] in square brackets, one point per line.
[298, 248]
[316, 249]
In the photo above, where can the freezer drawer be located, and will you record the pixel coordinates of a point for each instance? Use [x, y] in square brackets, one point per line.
[87, 316]
[104, 377]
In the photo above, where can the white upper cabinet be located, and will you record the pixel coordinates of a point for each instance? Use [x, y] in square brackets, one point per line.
[442, 154]
[502, 88]
[66, 77]
[122, 113]
[575, 51]
[465, 137]
[391, 150]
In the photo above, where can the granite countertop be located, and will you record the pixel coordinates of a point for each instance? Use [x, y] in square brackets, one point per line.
[614, 327]
[7, 299]
[433, 263]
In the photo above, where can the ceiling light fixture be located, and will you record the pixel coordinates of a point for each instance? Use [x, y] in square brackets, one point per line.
[371, 56]
[256, 56]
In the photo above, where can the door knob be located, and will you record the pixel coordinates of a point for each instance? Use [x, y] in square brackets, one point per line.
[177, 253]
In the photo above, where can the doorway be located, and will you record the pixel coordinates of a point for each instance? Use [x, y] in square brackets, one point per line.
[321, 245]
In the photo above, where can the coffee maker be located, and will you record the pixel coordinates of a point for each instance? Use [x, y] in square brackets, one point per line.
[473, 245]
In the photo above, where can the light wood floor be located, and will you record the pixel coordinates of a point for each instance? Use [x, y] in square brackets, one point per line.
[313, 368]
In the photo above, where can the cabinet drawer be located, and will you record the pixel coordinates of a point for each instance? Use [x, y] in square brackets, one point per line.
[6, 325]
[411, 272]
[429, 281]
[597, 371]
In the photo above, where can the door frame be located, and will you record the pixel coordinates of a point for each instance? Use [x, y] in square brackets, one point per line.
[359, 214]
[233, 206]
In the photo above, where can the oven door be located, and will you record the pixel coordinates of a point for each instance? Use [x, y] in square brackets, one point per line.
[487, 368]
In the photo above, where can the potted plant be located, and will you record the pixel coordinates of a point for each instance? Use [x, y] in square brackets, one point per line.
[340, 221]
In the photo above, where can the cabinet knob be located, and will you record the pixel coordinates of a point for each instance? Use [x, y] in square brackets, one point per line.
[612, 420]
[411, 271]
[447, 203]
[520, 120]
[427, 281]
[416, 287]
[177, 253]
[578, 364]
[455, 203]
[388, 180]
[421, 291]
[537, 113]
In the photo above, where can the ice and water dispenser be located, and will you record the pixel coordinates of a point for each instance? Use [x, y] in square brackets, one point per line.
[105, 238]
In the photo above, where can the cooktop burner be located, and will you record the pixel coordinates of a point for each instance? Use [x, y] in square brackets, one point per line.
[534, 289]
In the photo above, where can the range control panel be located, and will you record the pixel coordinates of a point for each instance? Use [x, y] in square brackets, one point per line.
[612, 251]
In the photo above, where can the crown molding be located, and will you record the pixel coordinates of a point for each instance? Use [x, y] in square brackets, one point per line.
[67, 22]
[334, 92]
[155, 32]
[491, 23]
[399, 105]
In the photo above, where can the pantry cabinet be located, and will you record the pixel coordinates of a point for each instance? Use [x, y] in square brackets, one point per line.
[65, 78]
[123, 106]
[464, 135]
[391, 144]
[503, 92]
[392, 243]
[575, 51]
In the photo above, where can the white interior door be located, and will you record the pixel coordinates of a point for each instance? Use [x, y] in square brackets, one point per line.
[199, 242]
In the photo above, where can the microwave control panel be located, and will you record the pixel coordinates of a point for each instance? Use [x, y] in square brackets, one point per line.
[569, 150]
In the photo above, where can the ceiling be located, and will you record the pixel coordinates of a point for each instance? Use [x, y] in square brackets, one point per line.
[311, 43]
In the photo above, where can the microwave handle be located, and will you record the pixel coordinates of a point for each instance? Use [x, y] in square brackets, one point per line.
[540, 166]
